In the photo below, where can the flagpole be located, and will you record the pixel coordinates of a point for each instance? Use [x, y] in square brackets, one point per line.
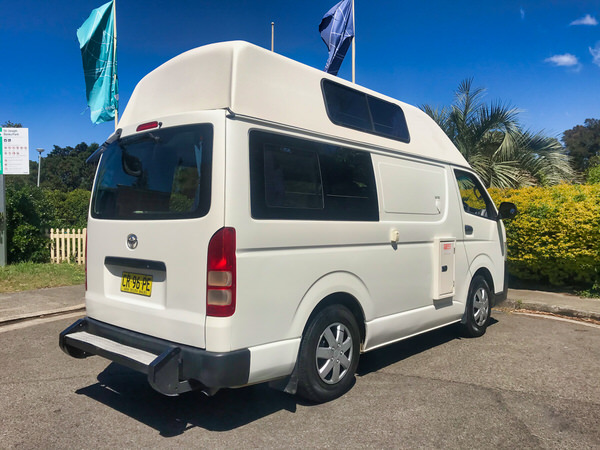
[115, 58]
[353, 46]
[272, 36]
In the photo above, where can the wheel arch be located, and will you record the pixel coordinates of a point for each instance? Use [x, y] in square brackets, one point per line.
[485, 273]
[346, 300]
[483, 265]
[487, 276]
[342, 288]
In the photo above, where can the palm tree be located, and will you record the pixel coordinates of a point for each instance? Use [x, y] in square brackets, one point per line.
[492, 141]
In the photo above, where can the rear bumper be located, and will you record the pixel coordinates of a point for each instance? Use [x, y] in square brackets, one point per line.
[171, 368]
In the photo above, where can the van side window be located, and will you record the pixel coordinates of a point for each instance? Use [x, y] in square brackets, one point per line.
[292, 178]
[299, 179]
[354, 109]
[475, 198]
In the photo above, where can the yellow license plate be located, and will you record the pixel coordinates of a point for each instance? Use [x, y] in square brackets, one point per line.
[136, 283]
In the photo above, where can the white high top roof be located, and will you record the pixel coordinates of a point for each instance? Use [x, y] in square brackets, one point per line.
[252, 81]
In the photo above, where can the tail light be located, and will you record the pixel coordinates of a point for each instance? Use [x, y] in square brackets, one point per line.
[221, 274]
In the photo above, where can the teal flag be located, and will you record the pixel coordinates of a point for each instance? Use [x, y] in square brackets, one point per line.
[97, 44]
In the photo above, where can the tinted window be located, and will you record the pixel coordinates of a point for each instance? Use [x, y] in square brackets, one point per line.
[346, 106]
[388, 119]
[164, 174]
[292, 178]
[475, 198]
[354, 109]
[300, 179]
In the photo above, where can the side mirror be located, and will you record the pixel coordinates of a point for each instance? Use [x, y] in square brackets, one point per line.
[507, 210]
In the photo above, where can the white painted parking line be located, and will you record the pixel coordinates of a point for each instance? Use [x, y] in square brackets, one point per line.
[562, 319]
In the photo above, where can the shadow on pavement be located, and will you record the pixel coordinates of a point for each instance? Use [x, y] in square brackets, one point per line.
[128, 392]
[391, 354]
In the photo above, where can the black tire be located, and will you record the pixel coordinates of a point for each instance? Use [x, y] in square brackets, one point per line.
[330, 343]
[479, 308]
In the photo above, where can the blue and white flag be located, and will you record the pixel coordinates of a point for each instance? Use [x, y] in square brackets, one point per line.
[96, 41]
[337, 31]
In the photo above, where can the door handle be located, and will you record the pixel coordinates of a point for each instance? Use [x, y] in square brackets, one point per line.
[468, 230]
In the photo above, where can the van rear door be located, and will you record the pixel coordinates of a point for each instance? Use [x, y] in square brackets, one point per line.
[157, 200]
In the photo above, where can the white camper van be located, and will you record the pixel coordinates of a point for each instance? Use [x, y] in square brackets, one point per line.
[254, 219]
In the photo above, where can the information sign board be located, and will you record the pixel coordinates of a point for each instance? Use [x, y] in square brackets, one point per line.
[14, 151]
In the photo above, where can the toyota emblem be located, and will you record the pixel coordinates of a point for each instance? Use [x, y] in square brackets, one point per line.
[132, 241]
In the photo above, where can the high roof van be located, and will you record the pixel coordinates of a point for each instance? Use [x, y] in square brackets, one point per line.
[254, 219]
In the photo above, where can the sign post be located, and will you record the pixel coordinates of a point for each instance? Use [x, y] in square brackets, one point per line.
[3, 245]
[14, 160]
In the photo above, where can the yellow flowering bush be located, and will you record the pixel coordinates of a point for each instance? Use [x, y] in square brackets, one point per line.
[556, 236]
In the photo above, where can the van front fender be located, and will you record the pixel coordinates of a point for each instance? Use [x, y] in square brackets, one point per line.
[484, 262]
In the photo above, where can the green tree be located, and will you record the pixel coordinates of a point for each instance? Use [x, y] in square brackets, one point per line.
[9, 124]
[65, 169]
[492, 141]
[583, 144]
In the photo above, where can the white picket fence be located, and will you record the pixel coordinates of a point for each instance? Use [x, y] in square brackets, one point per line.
[67, 245]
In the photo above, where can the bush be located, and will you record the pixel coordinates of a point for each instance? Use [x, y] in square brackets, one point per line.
[29, 213]
[556, 236]
[593, 175]
[70, 208]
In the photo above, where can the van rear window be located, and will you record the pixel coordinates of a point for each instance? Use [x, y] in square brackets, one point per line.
[299, 179]
[163, 174]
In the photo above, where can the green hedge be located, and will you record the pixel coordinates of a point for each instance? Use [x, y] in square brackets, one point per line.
[31, 211]
[556, 236]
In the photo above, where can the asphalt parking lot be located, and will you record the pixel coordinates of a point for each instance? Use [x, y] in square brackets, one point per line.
[530, 382]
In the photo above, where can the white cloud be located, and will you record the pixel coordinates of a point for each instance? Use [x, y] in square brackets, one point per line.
[522, 11]
[595, 52]
[566, 60]
[585, 20]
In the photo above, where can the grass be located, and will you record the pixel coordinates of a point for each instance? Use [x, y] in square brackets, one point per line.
[27, 276]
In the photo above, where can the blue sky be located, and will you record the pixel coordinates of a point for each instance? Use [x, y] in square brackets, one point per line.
[540, 56]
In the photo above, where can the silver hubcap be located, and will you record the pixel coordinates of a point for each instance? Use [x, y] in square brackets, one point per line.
[334, 353]
[481, 306]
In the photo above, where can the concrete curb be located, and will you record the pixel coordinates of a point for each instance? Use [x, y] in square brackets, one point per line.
[38, 314]
[547, 308]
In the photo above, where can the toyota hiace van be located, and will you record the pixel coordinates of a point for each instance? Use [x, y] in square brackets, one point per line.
[254, 219]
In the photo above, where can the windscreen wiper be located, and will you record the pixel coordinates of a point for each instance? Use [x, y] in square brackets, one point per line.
[112, 138]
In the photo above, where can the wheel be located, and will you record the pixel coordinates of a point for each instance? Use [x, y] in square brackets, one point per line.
[478, 310]
[329, 353]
